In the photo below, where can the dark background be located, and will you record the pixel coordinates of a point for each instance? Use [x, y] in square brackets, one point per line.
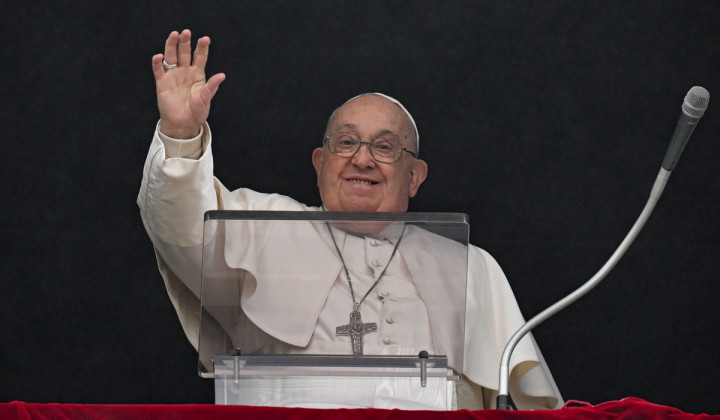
[546, 122]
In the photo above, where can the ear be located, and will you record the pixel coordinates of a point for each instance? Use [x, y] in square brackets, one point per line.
[418, 173]
[317, 159]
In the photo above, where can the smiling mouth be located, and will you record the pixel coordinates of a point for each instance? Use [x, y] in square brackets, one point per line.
[362, 181]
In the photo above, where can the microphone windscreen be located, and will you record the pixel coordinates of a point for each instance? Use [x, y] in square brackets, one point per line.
[696, 102]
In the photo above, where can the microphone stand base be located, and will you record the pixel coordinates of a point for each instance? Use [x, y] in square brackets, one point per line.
[505, 402]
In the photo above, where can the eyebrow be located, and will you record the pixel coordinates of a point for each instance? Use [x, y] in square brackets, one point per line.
[353, 127]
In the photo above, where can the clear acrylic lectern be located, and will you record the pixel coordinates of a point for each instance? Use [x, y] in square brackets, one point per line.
[333, 309]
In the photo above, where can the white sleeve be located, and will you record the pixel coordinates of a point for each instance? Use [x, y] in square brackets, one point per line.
[184, 148]
[178, 187]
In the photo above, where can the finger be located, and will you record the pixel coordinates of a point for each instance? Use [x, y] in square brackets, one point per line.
[171, 48]
[212, 85]
[184, 48]
[157, 66]
[201, 53]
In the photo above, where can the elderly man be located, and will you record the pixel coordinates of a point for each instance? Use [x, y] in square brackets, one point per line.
[179, 187]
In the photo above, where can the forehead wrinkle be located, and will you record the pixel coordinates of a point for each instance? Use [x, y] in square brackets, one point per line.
[348, 125]
[380, 133]
[343, 117]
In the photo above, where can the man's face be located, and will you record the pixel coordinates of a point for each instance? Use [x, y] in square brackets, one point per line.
[360, 183]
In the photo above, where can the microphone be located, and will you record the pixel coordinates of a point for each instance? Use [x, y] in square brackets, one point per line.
[693, 107]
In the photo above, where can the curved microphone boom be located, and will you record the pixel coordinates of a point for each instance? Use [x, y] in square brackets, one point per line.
[693, 107]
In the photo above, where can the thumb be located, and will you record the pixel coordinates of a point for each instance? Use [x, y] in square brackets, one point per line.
[212, 85]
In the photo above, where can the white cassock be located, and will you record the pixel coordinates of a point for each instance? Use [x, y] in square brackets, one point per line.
[178, 188]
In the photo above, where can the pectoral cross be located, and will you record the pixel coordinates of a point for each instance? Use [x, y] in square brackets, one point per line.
[356, 329]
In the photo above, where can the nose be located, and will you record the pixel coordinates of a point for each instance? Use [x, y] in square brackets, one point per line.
[363, 158]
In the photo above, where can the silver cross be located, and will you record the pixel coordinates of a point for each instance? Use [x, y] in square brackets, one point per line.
[356, 329]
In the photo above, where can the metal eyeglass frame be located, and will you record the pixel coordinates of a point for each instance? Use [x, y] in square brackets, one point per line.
[369, 144]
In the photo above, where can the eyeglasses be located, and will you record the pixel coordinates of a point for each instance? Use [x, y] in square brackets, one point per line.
[384, 149]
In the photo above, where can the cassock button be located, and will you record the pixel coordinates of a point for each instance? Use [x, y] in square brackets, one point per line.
[376, 263]
[384, 293]
[374, 242]
[389, 320]
[387, 340]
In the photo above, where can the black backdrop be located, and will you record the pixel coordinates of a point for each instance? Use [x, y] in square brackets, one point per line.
[546, 122]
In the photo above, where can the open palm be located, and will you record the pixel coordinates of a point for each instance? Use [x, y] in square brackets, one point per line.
[183, 94]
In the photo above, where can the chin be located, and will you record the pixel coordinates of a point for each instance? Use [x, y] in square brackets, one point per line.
[367, 209]
[374, 209]
[356, 205]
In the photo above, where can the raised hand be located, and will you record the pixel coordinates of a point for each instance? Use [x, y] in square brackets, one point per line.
[183, 94]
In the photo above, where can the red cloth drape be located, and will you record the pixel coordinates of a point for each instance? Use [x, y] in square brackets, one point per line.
[628, 408]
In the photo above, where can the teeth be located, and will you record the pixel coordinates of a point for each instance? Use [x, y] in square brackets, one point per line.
[360, 181]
